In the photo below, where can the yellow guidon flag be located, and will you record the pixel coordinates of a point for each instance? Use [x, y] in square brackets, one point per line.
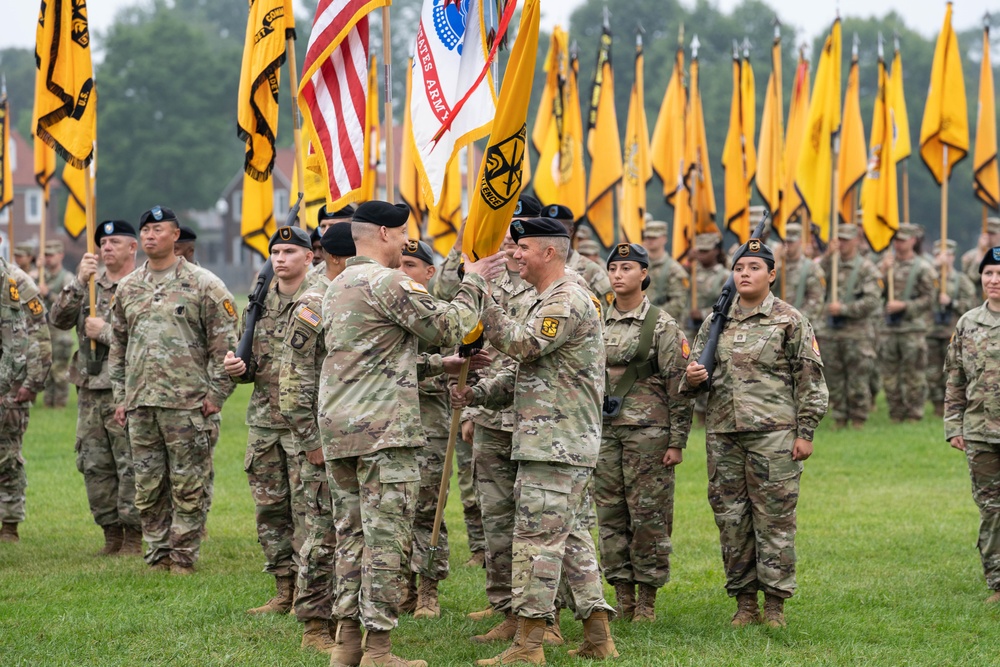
[269, 26]
[65, 96]
[603, 145]
[667, 145]
[409, 176]
[493, 202]
[637, 169]
[770, 149]
[814, 173]
[902, 147]
[795, 137]
[985, 176]
[314, 197]
[75, 216]
[257, 214]
[369, 177]
[879, 199]
[852, 162]
[6, 172]
[944, 131]
[739, 158]
[444, 219]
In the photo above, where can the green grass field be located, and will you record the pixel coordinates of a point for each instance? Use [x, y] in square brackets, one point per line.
[888, 572]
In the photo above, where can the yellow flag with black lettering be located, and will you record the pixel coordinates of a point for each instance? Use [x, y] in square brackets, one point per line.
[944, 130]
[770, 151]
[500, 176]
[852, 163]
[369, 177]
[6, 172]
[795, 136]
[879, 197]
[986, 177]
[257, 213]
[667, 145]
[637, 169]
[603, 146]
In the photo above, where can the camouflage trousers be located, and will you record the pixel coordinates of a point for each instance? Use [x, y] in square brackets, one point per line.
[495, 477]
[13, 478]
[57, 384]
[171, 453]
[984, 469]
[104, 457]
[374, 498]
[272, 467]
[904, 364]
[425, 562]
[848, 364]
[635, 505]
[470, 500]
[314, 586]
[937, 350]
[550, 541]
[753, 488]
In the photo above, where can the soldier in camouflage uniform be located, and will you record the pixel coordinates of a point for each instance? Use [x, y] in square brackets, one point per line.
[103, 453]
[172, 325]
[971, 423]
[846, 330]
[669, 283]
[903, 356]
[369, 418]
[24, 258]
[590, 250]
[640, 447]
[556, 390]
[272, 457]
[804, 286]
[765, 402]
[972, 257]
[710, 275]
[56, 278]
[593, 273]
[23, 340]
[961, 296]
[324, 221]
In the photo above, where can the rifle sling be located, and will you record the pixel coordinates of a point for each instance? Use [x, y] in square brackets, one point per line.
[639, 367]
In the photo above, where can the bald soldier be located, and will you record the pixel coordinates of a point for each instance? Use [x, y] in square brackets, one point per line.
[669, 283]
[960, 296]
[369, 418]
[56, 278]
[801, 283]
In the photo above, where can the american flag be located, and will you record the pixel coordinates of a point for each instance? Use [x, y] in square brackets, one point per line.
[334, 91]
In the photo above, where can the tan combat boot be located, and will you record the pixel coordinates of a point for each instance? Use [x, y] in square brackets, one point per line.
[553, 635]
[527, 644]
[317, 635]
[625, 595]
[162, 565]
[409, 603]
[427, 599]
[347, 650]
[597, 642]
[481, 615]
[378, 652]
[131, 542]
[747, 611]
[9, 532]
[281, 603]
[503, 632]
[478, 559]
[645, 611]
[112, 540]
[774, 611]
[180, 569]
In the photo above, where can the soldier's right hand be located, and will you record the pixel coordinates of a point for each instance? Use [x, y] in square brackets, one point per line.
[487, 267]
[695, 315]
[316, 457]
[834, 308]
[958, 442]
[88, 267]
[468, 428]
[235, 367]
[461, 399]
[696, 374]
[120, 415]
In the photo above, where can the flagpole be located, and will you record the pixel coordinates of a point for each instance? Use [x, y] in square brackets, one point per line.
[46, 197]
[944, 214]
[390, 156]
[906, 191]
[90, 214]
[471, 172]
[835, 216]
[293, 81]
[985, 215]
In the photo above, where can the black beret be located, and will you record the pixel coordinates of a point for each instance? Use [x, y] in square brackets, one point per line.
[113, 228]
[157, 214]
[629, 252]
[527, 207]
[337, 240]
[314, 235]
[187, 234]
[345, 212]
[559, 212]
[382, 213]
[755, 248]
[522, 229]
[290, 236]
[420, 250]
[992, 256]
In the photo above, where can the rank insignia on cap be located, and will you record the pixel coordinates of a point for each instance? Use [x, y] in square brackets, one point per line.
[35, 307]
[996, 254]
[754, 245]
[517, 209]
[109, 227]
[553, 211]
[550, 326]
[815, 346]
[228, 306]
[12, 288]
[285, 233]
[517, 223]
[157, 213]
[412, 246]
[624, 249]
[308, 316]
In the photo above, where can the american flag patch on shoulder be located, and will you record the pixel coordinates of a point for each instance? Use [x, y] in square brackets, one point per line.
[308, 316]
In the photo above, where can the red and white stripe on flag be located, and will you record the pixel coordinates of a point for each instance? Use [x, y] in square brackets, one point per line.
[333, 93]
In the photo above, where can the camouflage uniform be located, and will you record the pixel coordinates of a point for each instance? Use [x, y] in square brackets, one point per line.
[964, 298]
[709, 283]
[24, 360]
[57, 386]
[804, 287]
[595, 275]
[557, 392]
[370, 423]
[970, 266]
[849, 347]
[669, 286]
[633, 489]
[272, 456]
[768, 389]
[103, 453]
[304, 350]
[970, 411]
[171, 332]
[903, 355]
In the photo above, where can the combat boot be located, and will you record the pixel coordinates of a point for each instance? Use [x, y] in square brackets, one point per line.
[378, 652]
[597, 642]
[317, 635]
[9, 532]
[180, 569]
[478, 559]
[503, 632]
[993, 599]
[427, 599]
[747, 611]
[625, 595]
[774, 611]
[347, 650]
[553, 635]
[281, 603]
[409, 603]
[645, 607]
[527, 644]
[131, 542]
[162, 565]
[112, 540]
[481, 615]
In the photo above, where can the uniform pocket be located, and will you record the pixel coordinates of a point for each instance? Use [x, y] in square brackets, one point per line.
[399, 478]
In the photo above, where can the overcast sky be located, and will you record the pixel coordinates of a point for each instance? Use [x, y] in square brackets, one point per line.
[19, 16]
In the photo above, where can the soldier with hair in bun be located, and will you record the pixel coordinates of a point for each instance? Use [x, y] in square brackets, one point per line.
[646, 426]
[765, 400]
